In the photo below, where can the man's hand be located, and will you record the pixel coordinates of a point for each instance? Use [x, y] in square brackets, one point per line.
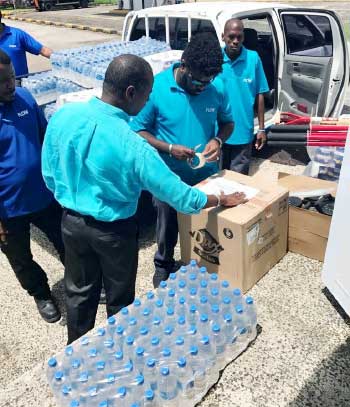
[234, 199]
[182, 152]
[3, 234]
[212, 150]
[260, 140]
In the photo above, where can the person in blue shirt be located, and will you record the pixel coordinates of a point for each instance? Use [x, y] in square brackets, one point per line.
[16, 43]
[96, 166]
[24, 198]
[244, 78]
[187, 110]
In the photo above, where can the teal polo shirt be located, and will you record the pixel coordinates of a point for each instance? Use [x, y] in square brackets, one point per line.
[176, 117]
[244, 79]
[96, 165]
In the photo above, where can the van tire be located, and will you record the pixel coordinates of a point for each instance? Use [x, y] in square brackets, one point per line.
[84, 3]
[48, 6]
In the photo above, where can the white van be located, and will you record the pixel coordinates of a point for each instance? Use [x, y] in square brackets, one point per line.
[304, 51]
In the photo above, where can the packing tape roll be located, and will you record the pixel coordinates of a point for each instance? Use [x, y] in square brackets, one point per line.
[198, 161]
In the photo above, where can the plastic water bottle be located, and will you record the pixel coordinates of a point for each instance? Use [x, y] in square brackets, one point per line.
[193, 267]
[203, 288]
[251, 313]
[181, 306]
[146, 316]
[108, 347]
[204, 306]
[170, 316]
[143, 338]
[226, 305]
[150, 300]
[137, 387]
[150, 399]
[183, 272]
[162, 290]
[52, 366]
[197, 364]
[167, 387]
[185, 379]
[215, 312]
[208, 351]
[172, 280]
[214, 297]
[170, 298]
[204, 325]
[100, 370]
[156, 323]
[192, 281]
[119, 337]
[191, 335]
[166, 357]
[213, 281]
[92, 357]
[220, 346]
[129, 347]
[139, 360]
[182, 288]
[179, 348]
[122, 397]
[133, 326]
[168, 332]
[58, 380]
[180, 325]
[150, 373]
[136, 307]
[155, 348]
[237, 298]
[225, 288]
[229, 329]
[159, 308]
[111, 321]
[192, 315]
[124, 316]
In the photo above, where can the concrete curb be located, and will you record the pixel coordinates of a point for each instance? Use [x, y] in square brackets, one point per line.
[65, 25]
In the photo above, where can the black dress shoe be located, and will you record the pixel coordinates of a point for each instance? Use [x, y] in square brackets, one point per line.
[48, 310]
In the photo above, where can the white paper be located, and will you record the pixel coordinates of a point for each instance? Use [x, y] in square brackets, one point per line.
[216, 185]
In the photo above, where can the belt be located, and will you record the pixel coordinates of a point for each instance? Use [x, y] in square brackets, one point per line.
[91, 218]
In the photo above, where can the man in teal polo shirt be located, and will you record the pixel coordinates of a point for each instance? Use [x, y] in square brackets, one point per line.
[244, 78]
[185, 109]
[96, 166]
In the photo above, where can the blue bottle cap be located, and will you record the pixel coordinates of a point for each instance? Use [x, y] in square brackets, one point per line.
[204, 283]
[193, 276]
[76, 363]
[193, 350]
[172, 276]
[168, 330]
[84, 377]
[166, 352]
[249, 300]
[92, 353]
[182, 300]
[183, 269]
[119, 330]
[164, 371]
[215, 308]
[216, 328]
[101, 332]
[109, 343]
[111, 320]
[159, 303]
[52, 362]
[181, 362]
[214, 292]
[136, 404]
[146, 312]
[193, 263]
[119, 355]
[137, 302]
[163, 284]
[192, 330]
[182, 284]
[226, 300]
[155, 341]
[179, 340]
[243, 331]
[239, 309]
[151, 362]
[110, 378]
[58, 375]
[181, 320]
[129, 367]
[204, 318]
[140, 351]
[228, 317]
[66, 390]
[193, 291]
[121, 391]
[100, 365]
[204, 299]
[124, 311]
[103, 403]
[93, 390]
[149, 395]
[225, 284]
[170, 311]
[69, 350]
[237, 292]
[193, 309]
[213, 277]
[150, 295]
[74, 403]
[203, 270]
[84, 341]
[171, 293]
[130, 340]
[205, 340]
[156, 321]
[132, 321]
[139, 380]
[144, 331]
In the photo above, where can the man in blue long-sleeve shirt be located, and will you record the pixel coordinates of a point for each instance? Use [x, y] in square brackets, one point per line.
[96, 167]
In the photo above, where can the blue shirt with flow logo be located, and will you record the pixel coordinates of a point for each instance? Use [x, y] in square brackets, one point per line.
[176, 117]
[244, 79]
[22, 128]
[16, 43]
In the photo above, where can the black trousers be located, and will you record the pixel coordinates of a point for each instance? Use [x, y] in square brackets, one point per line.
[166, 234]
[236, 157]
[97, 252]
[17, 250]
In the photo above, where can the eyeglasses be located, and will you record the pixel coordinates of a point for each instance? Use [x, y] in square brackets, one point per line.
[197, 82]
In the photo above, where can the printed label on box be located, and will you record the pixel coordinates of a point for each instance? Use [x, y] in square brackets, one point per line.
[206, 246]
[253, 233]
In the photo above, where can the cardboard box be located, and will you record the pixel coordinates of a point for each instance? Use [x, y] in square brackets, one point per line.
[308, 230]
[242, 243]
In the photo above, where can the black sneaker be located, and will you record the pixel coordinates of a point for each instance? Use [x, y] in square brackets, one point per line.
[159, 276]
[48, 310]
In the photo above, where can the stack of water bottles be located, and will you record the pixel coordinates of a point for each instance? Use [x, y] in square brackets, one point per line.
[46, 87]
[86, 66]
[49, 110]
[164, 350]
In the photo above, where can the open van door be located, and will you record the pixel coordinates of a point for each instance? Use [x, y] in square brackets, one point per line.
[315, 63]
